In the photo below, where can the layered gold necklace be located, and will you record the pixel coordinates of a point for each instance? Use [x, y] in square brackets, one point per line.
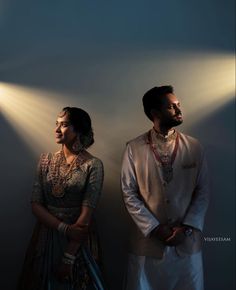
[60, 177]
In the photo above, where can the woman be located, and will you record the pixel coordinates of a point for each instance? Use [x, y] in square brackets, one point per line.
[64, 245]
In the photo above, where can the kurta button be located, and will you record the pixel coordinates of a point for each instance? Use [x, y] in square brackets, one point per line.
[164, 184]
[167, 200]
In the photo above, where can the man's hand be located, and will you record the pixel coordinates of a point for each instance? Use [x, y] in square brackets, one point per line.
[163, 232]
[177, 237]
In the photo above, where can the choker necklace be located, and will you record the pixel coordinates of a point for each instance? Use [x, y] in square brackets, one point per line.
[167, 163]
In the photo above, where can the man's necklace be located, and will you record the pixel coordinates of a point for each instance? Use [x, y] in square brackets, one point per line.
[167, 168]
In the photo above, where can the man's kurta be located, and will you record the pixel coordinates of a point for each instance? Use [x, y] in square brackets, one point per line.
[152, 201]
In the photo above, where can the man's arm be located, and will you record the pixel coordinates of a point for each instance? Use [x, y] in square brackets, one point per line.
[142, 217]
[200, 199]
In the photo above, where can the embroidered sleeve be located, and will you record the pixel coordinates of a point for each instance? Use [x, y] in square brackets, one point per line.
[94, 184]
[37, 192]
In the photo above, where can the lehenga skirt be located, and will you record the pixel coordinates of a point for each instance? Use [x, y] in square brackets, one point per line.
[44, 255]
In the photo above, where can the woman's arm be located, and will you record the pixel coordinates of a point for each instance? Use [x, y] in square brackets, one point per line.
[80, 228]
[76, 232]
[85, 216]
[44, 216]
[81, 225]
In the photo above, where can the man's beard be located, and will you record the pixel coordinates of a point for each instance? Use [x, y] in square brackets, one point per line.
[172, 123]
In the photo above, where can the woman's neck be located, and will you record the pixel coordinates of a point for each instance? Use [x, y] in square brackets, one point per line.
[68, 151]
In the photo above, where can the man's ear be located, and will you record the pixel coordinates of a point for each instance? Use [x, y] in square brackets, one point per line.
[155, 114]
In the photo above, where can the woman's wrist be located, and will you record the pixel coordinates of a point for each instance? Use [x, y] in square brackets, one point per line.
[63, 228]
[81, 224]
[72, 247]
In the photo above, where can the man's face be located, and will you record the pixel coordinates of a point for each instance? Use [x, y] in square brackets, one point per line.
[170, 114]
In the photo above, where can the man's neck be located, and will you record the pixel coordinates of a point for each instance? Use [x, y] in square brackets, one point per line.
[164, 131]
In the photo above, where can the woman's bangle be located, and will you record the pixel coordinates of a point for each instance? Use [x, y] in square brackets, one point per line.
[83, 224]
[69, 256]
[68, 259]
[62, 228]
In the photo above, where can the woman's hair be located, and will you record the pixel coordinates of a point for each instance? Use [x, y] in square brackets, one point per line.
[153, 99]
[81, 122]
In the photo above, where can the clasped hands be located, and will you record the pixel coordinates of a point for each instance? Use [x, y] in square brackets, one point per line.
[170, 235]
[77, 232]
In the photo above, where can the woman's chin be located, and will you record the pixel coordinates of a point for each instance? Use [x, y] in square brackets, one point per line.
[58, 141]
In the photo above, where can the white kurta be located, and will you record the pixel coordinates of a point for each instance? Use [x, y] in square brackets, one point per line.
[143, 196]
[169, 273]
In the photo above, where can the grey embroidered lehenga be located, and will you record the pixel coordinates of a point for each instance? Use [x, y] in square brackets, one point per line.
[81, 186]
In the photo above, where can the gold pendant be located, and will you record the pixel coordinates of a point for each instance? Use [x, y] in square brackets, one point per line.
[167, 171]
[58, 190]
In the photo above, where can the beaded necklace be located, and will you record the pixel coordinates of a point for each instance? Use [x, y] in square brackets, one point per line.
[166, 162]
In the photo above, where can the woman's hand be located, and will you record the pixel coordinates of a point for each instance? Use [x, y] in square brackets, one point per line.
[77, 232]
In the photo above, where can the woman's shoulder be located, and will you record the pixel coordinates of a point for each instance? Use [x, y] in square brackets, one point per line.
[45, 156]
[44, 160]
[92, 160]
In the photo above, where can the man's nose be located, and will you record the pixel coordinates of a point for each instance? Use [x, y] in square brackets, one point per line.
[177, 110]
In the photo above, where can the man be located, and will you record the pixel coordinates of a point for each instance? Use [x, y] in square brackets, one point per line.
[165, 189]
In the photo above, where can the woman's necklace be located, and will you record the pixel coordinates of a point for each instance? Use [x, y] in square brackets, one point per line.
[166, 161]
[59, 178]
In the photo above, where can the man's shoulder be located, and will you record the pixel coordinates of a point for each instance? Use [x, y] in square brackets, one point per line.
[139, 140]
[189, 140]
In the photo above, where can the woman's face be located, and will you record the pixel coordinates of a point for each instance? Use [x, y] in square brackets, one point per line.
[64, 131]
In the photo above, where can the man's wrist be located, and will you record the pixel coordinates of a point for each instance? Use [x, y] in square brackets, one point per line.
[188, 230]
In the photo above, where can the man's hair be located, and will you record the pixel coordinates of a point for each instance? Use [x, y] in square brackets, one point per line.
[153, 98]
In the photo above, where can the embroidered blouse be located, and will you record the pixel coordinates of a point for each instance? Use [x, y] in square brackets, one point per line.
[82, 184]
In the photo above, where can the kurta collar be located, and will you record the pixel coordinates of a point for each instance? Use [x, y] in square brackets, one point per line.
[157, 137]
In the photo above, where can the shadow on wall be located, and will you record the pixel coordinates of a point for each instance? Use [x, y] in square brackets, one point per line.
[17, 171]
[217, 134]
[113, 224]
